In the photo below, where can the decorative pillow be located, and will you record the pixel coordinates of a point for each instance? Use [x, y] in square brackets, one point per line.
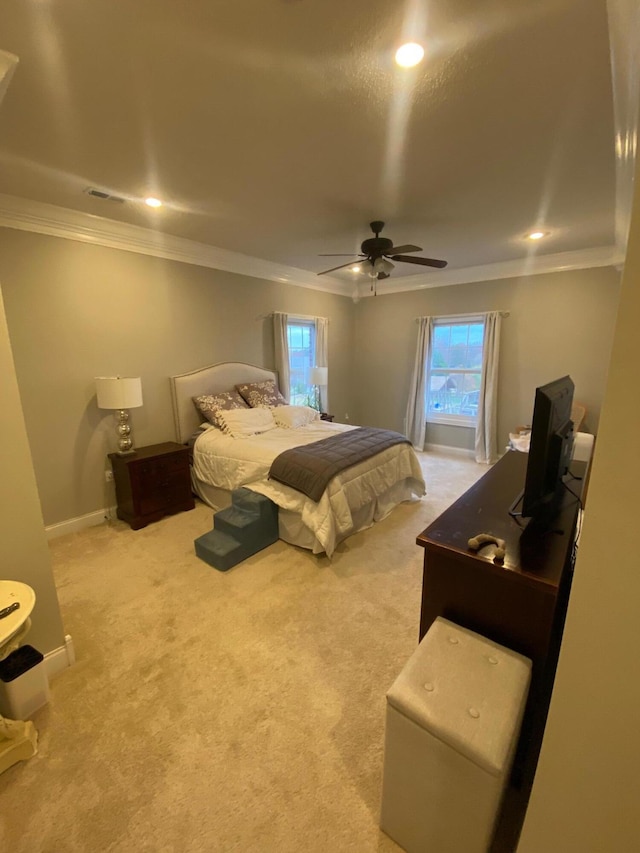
[291, 417]
[240, 423]
[262, 394]
[210, 405]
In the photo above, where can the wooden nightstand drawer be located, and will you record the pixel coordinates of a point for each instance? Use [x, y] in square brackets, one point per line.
[174, 489]
[153, 471]
[152, 482]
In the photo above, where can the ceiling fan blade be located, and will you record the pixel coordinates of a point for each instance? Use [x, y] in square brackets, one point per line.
[341, 255]
[341, 267]
[400, 250]
[423, 262]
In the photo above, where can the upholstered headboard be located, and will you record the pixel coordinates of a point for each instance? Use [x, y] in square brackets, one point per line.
[208, 380]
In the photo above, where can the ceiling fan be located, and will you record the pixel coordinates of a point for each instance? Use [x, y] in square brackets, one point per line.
[376, 250]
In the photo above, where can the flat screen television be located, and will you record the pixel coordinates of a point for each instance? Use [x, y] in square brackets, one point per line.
[550, 450]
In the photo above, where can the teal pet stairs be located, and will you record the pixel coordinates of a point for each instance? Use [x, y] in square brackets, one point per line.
[240, 530]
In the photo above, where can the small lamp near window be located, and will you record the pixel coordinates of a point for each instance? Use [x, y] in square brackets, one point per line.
[318, 377]
[120, 393]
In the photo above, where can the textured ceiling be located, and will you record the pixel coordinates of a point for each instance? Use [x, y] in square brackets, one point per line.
[280, 128]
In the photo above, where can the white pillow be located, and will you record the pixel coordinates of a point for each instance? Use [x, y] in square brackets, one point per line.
[291, 417]
[240, 423]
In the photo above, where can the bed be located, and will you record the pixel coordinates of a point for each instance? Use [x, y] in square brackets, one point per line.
[353, 499]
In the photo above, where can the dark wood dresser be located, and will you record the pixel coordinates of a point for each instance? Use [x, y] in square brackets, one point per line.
[152, 482]
[519, 602]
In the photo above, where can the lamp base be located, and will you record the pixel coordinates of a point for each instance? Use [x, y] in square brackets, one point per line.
[125, 443]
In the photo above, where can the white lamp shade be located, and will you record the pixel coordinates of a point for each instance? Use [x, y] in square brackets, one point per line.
[118, 392]
[319, 376]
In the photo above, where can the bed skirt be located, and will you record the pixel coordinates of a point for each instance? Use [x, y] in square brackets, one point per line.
[290, 526]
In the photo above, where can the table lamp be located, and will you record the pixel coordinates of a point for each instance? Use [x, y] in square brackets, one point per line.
[120, 393]
[318, 377]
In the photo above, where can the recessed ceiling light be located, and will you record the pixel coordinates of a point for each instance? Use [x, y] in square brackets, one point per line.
[355, 269]
[153, 202]
[536, 235]
[409, 54]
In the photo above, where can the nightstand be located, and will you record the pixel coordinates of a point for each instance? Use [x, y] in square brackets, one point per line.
[152, 482]
[325, 417]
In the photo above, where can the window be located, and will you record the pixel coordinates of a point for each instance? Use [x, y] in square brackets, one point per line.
[301, 335]
[455, 371]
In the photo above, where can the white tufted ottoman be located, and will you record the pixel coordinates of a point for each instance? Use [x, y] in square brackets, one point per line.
[452, 723]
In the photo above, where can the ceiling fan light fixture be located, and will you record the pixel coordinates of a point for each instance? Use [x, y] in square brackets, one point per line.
[536, 235]
[153, 202]
[410, 54]
[374, 254]
[366, 268]
[382, 265]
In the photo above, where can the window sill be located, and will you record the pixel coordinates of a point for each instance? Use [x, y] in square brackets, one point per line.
[452, 420]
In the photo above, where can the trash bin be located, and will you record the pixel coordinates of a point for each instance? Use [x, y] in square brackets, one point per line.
[24, 687]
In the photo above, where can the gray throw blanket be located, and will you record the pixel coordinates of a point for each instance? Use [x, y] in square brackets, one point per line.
[309, 468]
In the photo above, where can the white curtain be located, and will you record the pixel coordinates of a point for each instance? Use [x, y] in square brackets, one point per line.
[416, 423]
[322, 356]
[281, 347]
[486, 429]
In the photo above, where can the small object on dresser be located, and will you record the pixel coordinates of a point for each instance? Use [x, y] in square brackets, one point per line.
[481, 539]
[152, 482]
[325, 417]
[7, 611]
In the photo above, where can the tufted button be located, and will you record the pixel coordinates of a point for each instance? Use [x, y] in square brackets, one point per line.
[473, 712]
[453, 640]
[492, 660]
[428, 687]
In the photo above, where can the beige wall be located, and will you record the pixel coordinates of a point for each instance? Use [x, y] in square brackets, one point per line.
[559, 323]
[76, 311]
[24, 553]
[585, 795]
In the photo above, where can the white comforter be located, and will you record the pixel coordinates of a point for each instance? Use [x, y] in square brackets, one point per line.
[388, 478]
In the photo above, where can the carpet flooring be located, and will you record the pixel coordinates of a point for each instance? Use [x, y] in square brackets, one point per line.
[209, 711]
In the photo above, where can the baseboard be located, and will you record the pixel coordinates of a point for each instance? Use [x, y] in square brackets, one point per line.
[446, 448]
[73, 525]
[60, 659]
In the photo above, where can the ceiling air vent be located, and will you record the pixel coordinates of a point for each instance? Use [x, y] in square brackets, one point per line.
[103, 195]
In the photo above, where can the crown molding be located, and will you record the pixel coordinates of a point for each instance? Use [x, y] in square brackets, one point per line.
[41, 218]
[601, 256]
